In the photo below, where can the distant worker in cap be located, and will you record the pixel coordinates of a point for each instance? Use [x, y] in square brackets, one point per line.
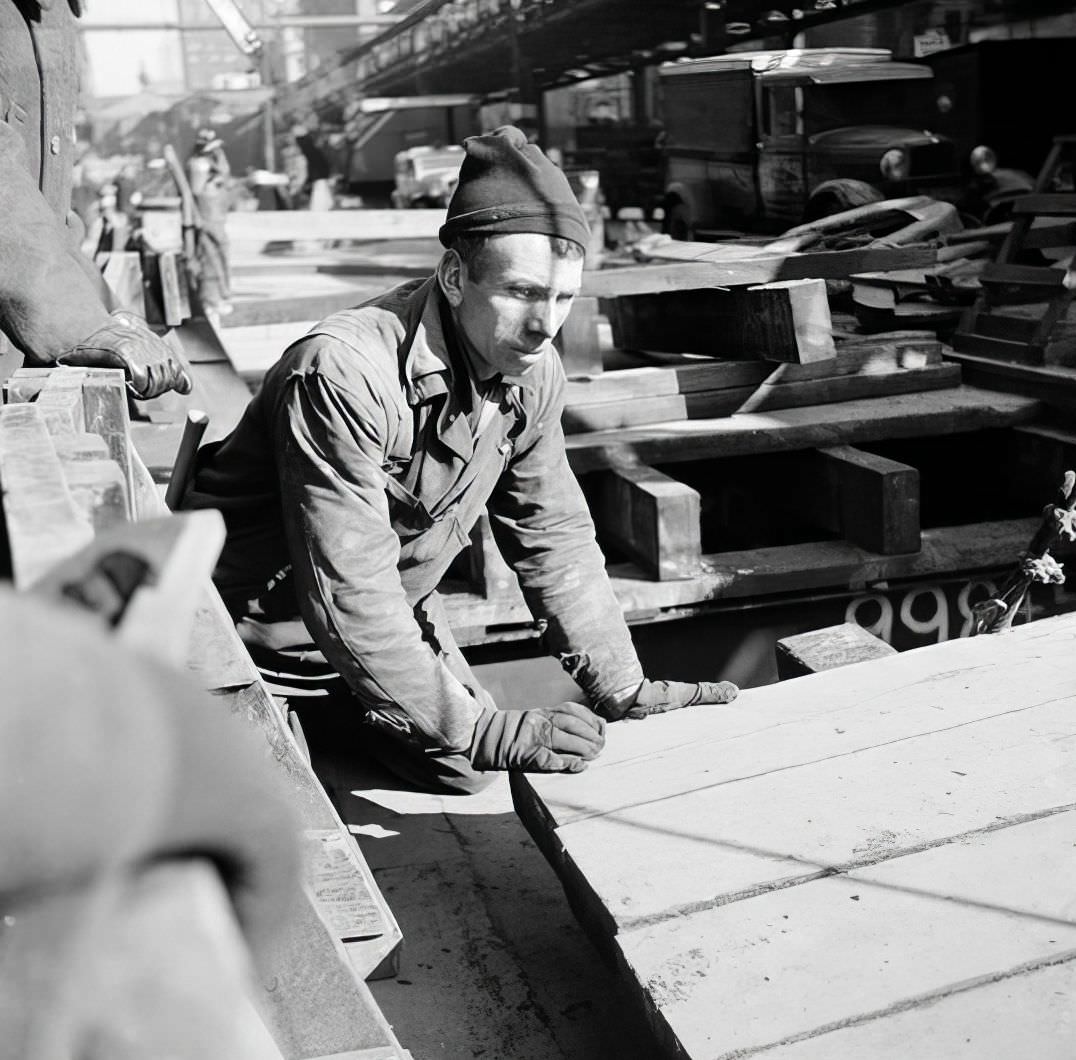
[209, 175]
[54, 304]
[374, 445]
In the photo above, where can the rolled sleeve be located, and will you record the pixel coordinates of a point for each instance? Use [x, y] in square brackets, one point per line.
[345, 552]
[543, 527]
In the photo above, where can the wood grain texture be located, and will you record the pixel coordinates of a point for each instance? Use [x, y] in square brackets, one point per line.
[835, 850]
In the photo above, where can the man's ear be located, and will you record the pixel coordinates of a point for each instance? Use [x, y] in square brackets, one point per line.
[450, 271]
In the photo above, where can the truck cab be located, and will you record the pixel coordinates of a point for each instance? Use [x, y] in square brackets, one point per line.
[765, 140]
[426, 176]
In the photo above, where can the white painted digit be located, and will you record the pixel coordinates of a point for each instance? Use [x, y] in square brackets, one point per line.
[937, 623]
[882, 626]
[964, 604]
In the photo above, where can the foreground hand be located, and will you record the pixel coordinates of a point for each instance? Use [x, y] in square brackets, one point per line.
[127, 342]
[657, 697]
[560, 739]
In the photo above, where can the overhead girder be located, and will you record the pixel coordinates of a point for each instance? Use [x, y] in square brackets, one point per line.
[483, 46]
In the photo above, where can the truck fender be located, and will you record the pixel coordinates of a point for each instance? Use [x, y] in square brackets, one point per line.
[836, 196]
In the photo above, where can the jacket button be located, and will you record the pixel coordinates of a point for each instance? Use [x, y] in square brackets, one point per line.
[54, 145]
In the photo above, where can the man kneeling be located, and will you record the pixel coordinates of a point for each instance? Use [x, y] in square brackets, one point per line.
[372, 448]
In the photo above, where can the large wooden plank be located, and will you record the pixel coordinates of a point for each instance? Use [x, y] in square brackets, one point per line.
[871, 419]
[252, 232]
[654, 519]
[796, 964]
[831, 850]
[1018, 1015]
[44, 525]
[753, 573]
[788, 743]
[746, 271]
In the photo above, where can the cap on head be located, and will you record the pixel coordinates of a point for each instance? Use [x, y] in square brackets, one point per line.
[508, 185]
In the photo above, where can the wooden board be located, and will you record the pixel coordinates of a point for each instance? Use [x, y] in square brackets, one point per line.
[834, 849]
[745, 271]
[754, 573]
[904, 416]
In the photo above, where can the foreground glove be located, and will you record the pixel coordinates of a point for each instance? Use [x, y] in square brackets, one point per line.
[127, 342]
[657, 697]
[560, 739]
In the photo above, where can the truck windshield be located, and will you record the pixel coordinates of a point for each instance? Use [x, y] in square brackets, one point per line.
[905, 103]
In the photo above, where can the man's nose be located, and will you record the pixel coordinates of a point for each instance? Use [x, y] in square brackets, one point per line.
[543, 318]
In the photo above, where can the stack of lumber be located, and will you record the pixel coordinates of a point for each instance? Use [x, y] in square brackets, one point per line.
[685, 387]
[873, 861]
[74, 489]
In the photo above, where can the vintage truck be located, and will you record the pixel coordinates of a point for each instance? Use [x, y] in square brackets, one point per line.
[765, 140]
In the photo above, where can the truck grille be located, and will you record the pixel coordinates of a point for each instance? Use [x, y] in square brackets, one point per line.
[932, 160]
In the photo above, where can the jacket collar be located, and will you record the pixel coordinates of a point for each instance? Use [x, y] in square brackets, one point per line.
[428, 371]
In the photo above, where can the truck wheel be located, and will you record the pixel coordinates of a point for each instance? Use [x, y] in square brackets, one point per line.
[836, 196]
[678, 222]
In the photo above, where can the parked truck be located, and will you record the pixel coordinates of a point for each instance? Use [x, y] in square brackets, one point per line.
[764, 140]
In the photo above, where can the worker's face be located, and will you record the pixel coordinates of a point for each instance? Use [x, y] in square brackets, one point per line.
[512, 302]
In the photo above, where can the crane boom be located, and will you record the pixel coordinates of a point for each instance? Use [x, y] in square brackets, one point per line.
[244, 35]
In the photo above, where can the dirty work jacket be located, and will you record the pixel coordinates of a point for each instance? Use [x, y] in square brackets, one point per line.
[356, 464]
[51, 297]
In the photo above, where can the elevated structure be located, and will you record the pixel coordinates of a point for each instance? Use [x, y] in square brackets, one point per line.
[528, 46]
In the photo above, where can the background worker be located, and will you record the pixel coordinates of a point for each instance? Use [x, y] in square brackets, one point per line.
[209, 175]
[54, 304]
[374, 444]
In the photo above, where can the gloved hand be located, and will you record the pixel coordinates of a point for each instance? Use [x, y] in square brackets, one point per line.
[127, 342]
[560, 739]
[657, 697]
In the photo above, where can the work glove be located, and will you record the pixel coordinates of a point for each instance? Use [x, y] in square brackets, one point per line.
[127, 342]
[560, 739]
[657, 697]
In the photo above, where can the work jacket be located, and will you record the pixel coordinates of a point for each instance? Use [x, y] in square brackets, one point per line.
[51, 298]
[358, 465]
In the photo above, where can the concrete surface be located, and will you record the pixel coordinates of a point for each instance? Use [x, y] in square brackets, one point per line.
[494, 964]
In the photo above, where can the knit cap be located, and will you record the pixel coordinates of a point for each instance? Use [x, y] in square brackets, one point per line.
[508, 185]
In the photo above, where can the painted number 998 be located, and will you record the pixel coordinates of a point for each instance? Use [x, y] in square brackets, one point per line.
[921, 612]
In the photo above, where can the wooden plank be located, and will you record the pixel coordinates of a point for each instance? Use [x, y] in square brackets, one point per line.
[765, 397]
[175, 298]
[761, 268]
[103, 406]
[1027, 1014]
[104, 403]
[788, 320]
[902, 416]
[123, 274]
[614, 415]
[781, 321]
[687, 836]
[757, 573]
[826, 649]
[1046, 204]
[44, 525]
[577, 340]
[99, 491]
[653, 518]
[668, 374]
[796, 965]
[252, 232]
[878, 499]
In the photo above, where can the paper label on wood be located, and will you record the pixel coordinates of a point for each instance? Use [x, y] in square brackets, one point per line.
[340, 888]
